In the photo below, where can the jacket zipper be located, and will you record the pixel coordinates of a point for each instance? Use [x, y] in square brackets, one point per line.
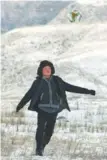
[57, 95]
[41, 96]
[50, 93]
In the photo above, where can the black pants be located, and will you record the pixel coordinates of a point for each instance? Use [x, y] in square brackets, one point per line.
[45, 128]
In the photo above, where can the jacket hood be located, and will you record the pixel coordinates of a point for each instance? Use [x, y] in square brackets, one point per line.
[43, 64]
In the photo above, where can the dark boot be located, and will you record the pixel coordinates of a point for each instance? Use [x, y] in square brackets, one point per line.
[39, 152]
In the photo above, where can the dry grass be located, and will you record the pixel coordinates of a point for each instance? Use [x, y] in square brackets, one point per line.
[78, 147]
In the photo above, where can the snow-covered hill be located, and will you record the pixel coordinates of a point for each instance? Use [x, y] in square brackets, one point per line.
[78, 52]
[71, 48]
[91, 12]
[16, 14]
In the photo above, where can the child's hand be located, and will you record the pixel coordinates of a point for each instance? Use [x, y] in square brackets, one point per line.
[92, 92]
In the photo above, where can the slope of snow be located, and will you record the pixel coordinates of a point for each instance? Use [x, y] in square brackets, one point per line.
[75, 49]
[90, 12]
[79, 53]
[95, 2]
[16, 14]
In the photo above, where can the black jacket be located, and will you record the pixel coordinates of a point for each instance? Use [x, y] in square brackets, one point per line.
[49, 98]
[33, 93]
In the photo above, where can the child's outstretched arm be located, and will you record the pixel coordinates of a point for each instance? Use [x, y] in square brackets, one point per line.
[76, 89]
[26, 97]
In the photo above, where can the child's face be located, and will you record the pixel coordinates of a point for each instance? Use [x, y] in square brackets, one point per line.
[46, 71]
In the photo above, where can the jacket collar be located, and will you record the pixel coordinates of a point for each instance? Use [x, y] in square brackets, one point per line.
[47, 79]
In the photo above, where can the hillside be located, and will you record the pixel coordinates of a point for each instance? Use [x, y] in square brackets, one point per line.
[79, 55]
[16, 14]
[91, 12]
